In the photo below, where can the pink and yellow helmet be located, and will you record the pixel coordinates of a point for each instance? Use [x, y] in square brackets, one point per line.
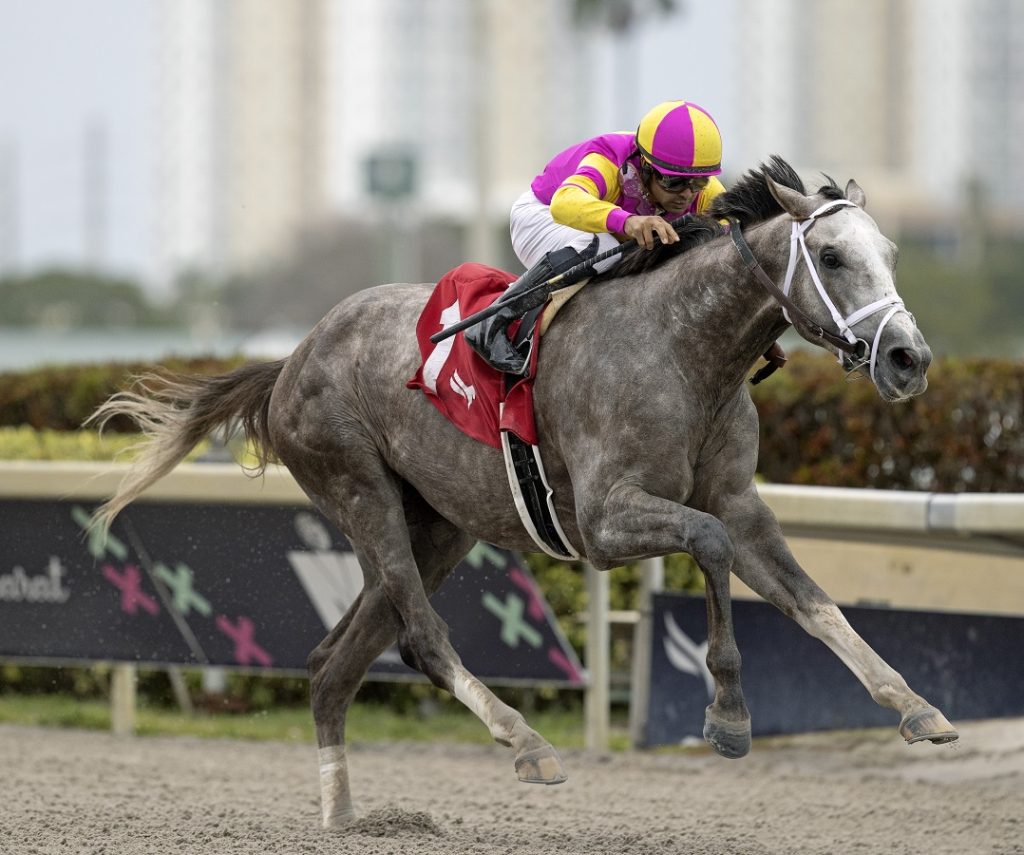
[680, 138]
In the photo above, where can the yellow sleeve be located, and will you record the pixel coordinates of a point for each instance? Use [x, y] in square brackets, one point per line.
[707, 195]
[579, 202]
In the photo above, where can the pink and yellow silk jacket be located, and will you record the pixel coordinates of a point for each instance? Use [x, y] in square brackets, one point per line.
[595, 186]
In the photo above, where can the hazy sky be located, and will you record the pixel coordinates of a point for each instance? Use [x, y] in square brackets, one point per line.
[64, 64]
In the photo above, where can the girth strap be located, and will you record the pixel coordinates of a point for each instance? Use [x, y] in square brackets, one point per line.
[534, 498]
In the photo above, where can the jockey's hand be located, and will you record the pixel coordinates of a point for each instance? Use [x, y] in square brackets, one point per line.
[643, 230]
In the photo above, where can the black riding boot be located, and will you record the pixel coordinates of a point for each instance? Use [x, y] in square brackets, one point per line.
[489, 337]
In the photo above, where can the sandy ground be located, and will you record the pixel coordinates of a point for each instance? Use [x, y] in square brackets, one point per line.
[67, 792]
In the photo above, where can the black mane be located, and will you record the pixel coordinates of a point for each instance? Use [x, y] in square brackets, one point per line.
[749, 201]
[694, 230]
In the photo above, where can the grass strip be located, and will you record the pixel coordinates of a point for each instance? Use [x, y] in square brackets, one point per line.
[366, 722]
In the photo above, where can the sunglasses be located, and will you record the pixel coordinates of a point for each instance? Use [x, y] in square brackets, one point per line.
[679, 183]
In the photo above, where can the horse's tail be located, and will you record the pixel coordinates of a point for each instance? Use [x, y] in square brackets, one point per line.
[176, 412]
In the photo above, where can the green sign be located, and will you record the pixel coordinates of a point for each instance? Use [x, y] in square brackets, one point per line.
[391, 174]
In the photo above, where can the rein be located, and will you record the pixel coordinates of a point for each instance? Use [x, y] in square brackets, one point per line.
[845, 340]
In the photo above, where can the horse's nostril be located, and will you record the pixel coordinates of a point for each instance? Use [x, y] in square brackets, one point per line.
[902, 358]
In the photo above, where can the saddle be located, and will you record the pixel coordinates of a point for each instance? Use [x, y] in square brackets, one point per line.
[491, 407]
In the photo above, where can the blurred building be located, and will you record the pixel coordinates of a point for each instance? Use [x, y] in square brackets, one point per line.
[9, 204]
[440, 79]
[272, 113]
[477, 95]
[241, 134]
[996, 94]
[917, 99]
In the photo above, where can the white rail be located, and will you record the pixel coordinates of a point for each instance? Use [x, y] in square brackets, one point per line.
[192, 482]
[820, 508]
[842, 509]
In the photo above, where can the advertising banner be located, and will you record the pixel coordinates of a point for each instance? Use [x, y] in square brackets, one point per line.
[247, 586]
[968, 665]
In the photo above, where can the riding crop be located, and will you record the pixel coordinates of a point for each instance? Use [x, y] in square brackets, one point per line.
[546, 287]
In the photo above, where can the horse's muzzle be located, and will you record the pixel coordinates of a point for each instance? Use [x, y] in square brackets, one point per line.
[902, 371]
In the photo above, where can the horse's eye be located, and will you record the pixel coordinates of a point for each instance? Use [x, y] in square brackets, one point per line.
[830, 259]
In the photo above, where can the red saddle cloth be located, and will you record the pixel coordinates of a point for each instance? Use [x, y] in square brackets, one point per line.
[467, 391]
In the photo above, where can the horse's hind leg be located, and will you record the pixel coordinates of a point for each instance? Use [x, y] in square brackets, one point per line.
[424, 645]
[338, 664]
[336, 669]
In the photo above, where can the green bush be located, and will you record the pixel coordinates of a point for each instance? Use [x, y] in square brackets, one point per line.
[964, 434]
[25, 443]
[63, 397]
[817, 427]
[564, 587]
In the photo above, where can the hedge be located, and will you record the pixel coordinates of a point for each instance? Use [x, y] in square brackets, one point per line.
[817, 427]
[964, 434]
[62, 397]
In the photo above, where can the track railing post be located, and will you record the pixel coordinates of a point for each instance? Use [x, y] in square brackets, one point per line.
[598, 662]
[652, 580]
[122, 700]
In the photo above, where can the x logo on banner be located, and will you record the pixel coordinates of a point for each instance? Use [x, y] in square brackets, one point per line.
[132, 595]
[246, 649]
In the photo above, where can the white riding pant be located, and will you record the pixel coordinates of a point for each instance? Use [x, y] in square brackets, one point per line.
[534, 234]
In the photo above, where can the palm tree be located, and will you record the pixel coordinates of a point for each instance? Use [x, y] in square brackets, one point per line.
[618, 15]
[618, 18]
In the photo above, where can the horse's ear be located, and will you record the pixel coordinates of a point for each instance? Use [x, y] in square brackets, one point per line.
[793, 202]
[855, 194]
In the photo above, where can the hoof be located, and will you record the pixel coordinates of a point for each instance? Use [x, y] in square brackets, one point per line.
[729, 739]
[540, 766]
[338, 820]
[928, 724]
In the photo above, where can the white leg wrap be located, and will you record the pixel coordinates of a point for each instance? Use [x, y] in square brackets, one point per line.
[336, 799]
[473, 694]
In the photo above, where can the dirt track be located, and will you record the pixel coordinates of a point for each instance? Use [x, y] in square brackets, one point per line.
[83, 792]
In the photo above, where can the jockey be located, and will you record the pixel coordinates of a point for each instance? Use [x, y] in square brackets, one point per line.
[601, 192]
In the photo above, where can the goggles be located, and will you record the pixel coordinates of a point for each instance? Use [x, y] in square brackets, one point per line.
[679, 183]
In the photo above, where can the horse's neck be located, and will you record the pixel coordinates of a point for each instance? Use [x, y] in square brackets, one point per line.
[723, 310]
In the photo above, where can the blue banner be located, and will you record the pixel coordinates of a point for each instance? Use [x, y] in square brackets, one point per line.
[968, 665]
[246, 586]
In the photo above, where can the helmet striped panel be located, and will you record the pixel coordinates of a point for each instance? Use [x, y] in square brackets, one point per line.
[680, 138]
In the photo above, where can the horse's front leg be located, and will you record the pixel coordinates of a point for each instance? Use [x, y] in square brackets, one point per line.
[633, 524]
[763, 561]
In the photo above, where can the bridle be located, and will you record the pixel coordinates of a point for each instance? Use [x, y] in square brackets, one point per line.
[859, 351]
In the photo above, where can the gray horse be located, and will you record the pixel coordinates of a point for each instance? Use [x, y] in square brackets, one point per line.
[648, 433]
